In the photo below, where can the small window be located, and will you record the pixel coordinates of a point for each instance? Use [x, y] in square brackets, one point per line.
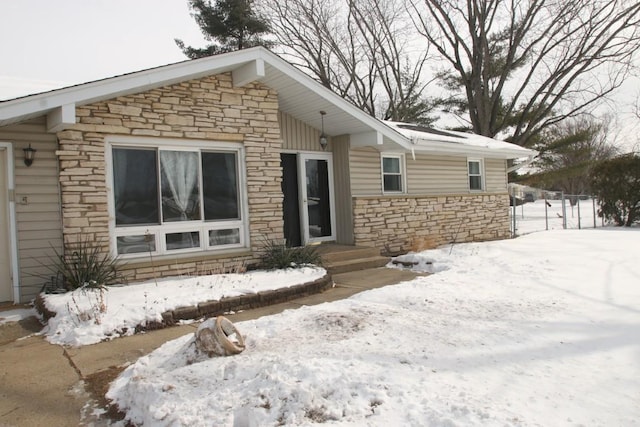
[392, 174]
[475, 174]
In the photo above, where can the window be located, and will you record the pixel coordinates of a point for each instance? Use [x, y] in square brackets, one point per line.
[392, 181]
[475, 174]
[172, 200]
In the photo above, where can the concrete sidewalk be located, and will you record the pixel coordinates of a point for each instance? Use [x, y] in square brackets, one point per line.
[44, 384]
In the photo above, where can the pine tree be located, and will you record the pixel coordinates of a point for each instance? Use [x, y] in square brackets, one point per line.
[229, 24]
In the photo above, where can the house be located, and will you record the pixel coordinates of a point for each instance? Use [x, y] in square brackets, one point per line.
[191, 167]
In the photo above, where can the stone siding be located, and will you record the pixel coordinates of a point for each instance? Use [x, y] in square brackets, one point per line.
[209, 108]
[403, 223]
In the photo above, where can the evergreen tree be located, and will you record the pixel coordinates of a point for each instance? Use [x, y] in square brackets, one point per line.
[229, 24]
[616, 183]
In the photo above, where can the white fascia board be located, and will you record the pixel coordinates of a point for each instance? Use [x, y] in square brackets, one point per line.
[61, 117]
[14, 110]
[248, 73]
[365, 139]
[463, 149]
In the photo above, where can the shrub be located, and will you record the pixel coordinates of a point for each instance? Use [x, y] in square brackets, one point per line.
[616, 184]
[84, 265]
[277, 255]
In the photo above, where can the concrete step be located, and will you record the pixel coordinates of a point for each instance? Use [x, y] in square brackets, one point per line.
[348, 265]
[335, 253]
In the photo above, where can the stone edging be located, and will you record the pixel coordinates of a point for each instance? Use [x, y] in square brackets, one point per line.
[224, 305]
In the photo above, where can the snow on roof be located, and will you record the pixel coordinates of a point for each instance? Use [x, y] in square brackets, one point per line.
[428, 139]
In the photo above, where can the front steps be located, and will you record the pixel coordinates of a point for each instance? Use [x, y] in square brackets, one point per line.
[337, 259]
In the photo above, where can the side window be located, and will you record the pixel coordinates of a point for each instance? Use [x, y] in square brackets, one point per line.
[392, 174]
[475, 174]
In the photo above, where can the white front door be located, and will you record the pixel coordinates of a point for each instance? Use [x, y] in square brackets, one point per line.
[6, 289]
[316, 197]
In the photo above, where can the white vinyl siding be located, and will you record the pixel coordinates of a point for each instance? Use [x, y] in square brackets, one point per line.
[433, 175]
[37, 196]
[364, 166]
[495, 175]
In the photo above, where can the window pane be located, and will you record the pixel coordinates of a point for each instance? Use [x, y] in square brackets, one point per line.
[224, 237]
[183, 240]
[136, 244]
[390, 165]
[474, 168]
[392, 183]
[180, 188]
[220, 186]
[475, 183]
[135, 186]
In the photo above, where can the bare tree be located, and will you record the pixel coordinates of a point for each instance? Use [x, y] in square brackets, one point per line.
[569, 150]
[357, 48]
[516, 67]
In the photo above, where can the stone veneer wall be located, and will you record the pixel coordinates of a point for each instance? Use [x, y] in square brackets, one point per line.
[404, 223]
[206, 109]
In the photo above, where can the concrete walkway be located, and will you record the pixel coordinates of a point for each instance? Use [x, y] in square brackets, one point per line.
[43, 384]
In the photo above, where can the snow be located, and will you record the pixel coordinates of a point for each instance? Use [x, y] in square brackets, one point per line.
[89, 316]
[16, 315]
[539, 330]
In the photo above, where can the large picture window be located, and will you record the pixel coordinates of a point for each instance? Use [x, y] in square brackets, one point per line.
[176, 200]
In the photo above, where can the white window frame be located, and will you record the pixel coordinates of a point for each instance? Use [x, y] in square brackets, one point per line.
[202, 227]
[403, 175]
[481, 174]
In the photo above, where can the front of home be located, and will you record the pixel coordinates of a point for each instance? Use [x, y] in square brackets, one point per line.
[191, 168]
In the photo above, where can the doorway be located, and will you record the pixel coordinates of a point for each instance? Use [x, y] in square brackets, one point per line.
[307, 186]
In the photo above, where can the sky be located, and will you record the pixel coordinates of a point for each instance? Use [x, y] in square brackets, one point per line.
[47, 44]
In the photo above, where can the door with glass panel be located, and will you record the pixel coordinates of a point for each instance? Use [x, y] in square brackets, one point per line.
[316, 193]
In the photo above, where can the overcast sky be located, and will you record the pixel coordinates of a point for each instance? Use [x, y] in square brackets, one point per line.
[53, 43]
[47, 44]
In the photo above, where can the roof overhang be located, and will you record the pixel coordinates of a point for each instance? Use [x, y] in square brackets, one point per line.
[298, 94]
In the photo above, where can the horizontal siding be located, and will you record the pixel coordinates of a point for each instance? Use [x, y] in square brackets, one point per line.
[364, 167]
[496, 175]
[38, 217]
[436, 175]
[343, 208]
[299, 136]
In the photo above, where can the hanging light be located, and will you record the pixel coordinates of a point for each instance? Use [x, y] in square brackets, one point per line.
[324, 140]
[29, 154]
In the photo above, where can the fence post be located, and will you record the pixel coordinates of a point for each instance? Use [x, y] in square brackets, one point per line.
[546, 213]
[579, 223]
[593, 200]
[514, 214]
[564, 213]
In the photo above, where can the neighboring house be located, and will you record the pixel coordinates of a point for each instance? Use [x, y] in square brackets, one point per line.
[190, 167]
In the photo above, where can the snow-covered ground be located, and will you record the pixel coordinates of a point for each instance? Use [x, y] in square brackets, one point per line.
[16, 315]
[530, 217]
[542, 330]
[88, 316]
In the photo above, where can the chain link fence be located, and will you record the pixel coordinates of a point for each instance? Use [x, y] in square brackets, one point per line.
[552, 211]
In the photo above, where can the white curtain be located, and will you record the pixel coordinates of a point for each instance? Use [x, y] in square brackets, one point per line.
[180, 168]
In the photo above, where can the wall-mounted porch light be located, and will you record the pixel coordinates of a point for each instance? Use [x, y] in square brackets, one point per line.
[324, 140]
[29, 155]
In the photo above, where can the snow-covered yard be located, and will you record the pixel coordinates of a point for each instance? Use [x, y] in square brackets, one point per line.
[540, 330]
